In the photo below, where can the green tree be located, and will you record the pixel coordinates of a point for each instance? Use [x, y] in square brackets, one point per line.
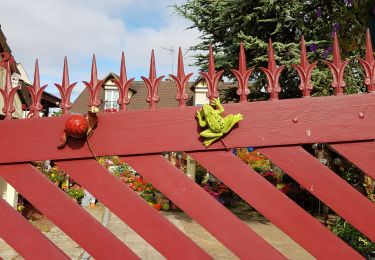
[225, 23]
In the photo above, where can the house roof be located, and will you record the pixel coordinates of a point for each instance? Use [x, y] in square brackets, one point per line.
[166, 92]
[3, 42]
[5, 50]
[221, 86]
[50, 99]
[47, 99]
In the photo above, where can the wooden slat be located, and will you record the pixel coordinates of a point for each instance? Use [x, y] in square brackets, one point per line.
[65, 213]
[133, 210]
[275, 205]
[325, 185]
[318, 120]
[24, 238]
[362, 154]
[203, 208]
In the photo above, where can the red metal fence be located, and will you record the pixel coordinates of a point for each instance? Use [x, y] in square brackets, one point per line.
[278, 129]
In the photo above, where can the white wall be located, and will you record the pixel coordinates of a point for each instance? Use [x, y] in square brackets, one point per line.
[200, 93]
[7, 192]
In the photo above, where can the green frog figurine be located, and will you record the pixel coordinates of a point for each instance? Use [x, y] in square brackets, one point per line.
[216, 125]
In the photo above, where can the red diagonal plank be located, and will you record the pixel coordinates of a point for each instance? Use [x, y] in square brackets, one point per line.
[202, 207]
[361, 154]
[318, 120]
[275, 205]
[65, 213]
[133, 210]
[326, 185]
[24, 238]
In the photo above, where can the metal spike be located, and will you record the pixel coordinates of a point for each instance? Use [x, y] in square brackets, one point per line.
[36, 75]
[273, 74]
[337, 67]
[123, 77]
[152, 74]
[8, 94]
[36, 92]
[304, 70]
[152, 83]
[369, 51]
[8, 82]
[303, 61]
[211, 62]
[369, 64]
[65, 89]
[123, 85]
[181, 80]
[336, 50]
[65, 79]
[94, 72]
[180, 65]
[242, 75]
[271, 56]
[242, 60]
[212, 77]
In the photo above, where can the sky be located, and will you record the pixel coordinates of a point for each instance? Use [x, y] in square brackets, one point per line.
[48, 30]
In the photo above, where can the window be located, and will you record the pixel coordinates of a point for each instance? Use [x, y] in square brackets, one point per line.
[111, 97]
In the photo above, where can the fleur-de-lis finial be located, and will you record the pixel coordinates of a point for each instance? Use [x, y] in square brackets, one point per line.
[152, 83]
[94, 86]
[123, 85]
[212, 77]
[181, 81]
[242, 74]
[8, 94]
[369, 64]
[304, 70]
[65, 89]
[36, 92]
[337, 67]
[273, 74]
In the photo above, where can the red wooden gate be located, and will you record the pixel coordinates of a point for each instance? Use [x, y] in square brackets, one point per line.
[277, 128]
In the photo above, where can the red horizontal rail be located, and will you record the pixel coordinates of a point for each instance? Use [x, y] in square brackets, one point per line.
[133, 210]
[275, 205]
[321, 120]
[361, 154]
[325, 185]
[24, 238]
[203, 208]
[65, 213]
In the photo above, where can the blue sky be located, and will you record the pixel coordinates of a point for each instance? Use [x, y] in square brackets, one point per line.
[50, 29]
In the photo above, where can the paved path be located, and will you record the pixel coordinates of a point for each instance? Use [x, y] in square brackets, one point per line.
[260, 225]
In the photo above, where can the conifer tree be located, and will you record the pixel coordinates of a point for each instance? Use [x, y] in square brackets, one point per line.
[225, 23]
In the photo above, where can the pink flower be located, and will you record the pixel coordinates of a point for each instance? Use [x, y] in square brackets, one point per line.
[109, 162]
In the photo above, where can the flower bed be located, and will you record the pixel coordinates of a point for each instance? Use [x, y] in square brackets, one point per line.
[62, 180]
[136, 182]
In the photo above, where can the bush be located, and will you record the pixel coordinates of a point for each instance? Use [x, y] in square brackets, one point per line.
[353, 237]
[76, 192]
[200, 172]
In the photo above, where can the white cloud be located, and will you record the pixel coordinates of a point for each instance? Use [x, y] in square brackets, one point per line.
[50, 29]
